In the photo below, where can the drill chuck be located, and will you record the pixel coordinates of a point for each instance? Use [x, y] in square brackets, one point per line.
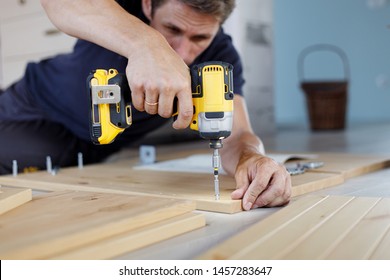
[216, 144]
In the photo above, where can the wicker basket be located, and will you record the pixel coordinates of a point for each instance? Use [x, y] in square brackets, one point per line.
[326, 100]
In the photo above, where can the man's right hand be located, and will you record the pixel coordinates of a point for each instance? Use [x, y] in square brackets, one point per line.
[156, 75]
[155, 72]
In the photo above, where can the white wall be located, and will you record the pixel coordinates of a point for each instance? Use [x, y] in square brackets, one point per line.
[251, 26]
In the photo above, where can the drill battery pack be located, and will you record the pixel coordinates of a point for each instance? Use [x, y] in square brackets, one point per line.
[110, 100]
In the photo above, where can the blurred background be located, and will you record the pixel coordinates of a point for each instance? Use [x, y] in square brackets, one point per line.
[271, 34]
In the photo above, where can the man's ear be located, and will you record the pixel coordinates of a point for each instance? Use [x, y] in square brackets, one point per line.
[147, 8]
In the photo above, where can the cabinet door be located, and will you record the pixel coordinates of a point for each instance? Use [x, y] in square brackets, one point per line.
[34, 34]
[26, 39]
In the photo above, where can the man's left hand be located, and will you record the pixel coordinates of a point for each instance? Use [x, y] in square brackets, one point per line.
[261, 182]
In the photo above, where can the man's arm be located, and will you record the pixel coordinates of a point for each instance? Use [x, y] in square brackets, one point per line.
[106, 23]
[260, 180]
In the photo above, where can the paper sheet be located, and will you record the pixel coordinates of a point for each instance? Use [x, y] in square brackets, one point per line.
[202, 163]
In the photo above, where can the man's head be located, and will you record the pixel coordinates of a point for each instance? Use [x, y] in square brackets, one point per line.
[188, 25]
[220, 9]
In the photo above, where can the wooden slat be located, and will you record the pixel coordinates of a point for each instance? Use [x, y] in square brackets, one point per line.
[135, 239]
[315, 227]
[122, 179]
[61, 221]
[246, 239]
[381, 252]
[317, 244]
[377, 221]
[349, 165]
[314, 181]
[11, 198]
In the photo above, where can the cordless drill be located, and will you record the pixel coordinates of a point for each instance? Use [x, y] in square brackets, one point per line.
[110, 104]
[212, 97]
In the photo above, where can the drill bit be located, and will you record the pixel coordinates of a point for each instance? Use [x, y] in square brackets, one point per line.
[216, 161]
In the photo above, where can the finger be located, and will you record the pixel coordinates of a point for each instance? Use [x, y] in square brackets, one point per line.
[185, 109]
[242, 184]
[277, 193]
[285, 198]
[256, 187]
[138, 96]
[165, 104]
[151, 99]
[151, 107]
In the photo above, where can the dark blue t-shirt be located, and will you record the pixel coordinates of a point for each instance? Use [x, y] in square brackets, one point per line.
[58, 84]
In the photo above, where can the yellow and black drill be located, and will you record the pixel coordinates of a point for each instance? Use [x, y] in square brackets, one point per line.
[212, 97]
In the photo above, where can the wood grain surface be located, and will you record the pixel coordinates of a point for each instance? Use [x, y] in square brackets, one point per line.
[315, 227]
[11, 198]
[120, 178]
[61, 221]
[135, 239]
[349, 165]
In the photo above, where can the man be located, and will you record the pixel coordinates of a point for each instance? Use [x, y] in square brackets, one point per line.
[154, 42]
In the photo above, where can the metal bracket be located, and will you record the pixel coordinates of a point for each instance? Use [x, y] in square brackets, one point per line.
[147, 154]
[105, 94]
[300, 168]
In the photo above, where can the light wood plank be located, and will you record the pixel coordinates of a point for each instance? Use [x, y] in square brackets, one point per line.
[382, 251]
[368, 233]
[120, 178]
[349, 165]
[315, 227]
[290, 233]
[264, 229]
[314, 181]
[135, 239]
[319, 243]
[60, 221]
[11, 198]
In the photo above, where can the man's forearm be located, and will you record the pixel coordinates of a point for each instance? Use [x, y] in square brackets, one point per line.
[103, 22]
[237, 146]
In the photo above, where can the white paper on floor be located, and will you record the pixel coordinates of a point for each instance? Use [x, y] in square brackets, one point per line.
[202, 163]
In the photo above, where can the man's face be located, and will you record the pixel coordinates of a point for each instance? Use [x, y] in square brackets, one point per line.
[189, 33]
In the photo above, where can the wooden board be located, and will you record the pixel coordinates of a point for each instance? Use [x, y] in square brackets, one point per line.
[61, 221]
[11, 198]
[138, 238]
[349, 165]
[315, 227]
[314, 181]
[120, 178]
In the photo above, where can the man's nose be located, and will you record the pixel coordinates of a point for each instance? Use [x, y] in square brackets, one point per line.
[183, 49]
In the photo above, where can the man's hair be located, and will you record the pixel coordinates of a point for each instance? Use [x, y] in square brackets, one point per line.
[221, 9]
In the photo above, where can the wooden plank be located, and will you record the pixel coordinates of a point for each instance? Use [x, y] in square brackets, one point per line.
[349, 165]
[11, 198]
[319, 243]
[120, 178]
[61, 221]
[135, 239]
[314, 181]
[377, 221]
[381, 252]
[315, 227]
[267, 227]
